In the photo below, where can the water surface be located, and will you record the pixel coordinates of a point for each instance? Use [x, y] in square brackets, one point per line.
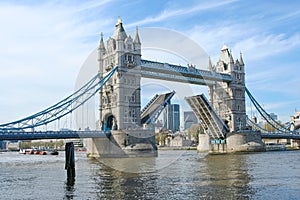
[172, 175]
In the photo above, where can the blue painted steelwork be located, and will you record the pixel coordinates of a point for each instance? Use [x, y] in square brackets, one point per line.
[210, 121]
[277, 126]
[280, 136]
[170, 72]
[62, 108]
[256, 126]
[37, 135]
[152, 111]
[149, 103]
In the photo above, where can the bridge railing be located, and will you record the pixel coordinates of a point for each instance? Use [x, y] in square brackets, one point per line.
[35, 135]
[185, 71]
[62, 108]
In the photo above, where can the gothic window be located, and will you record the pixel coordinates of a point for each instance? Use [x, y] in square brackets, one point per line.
[129, 46]
[133, 117]
[225, 67]
[132, 98]
[129, 58]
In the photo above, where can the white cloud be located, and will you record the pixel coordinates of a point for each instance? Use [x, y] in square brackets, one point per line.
[262, 45]
[43, 46]
[256, 44]
[42, 49]
[168, 13]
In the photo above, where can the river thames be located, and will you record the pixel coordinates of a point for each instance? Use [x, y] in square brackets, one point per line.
[172, 175]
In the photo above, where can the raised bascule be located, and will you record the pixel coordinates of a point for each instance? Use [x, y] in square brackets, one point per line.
[125, 129]
[120, 99]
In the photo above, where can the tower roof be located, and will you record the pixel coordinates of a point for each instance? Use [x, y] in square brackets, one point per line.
[209, 64]
[225, 47]
[241, 59]
[225, 55]
[230, 58]
[119, 31]
[101, 46]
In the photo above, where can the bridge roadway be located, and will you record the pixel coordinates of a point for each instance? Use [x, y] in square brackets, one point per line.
[69, 134]
[38, 135]
[280, 136]
[170, 72]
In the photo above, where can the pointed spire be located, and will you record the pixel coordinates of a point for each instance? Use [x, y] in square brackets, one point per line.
[224, 48]
[209, 64]
[137, 38]
[102, 46]
[231, 58]
[119, 21]
[241, 59]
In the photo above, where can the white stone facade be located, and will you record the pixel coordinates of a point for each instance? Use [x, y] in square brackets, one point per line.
[229, 99]
[120, 101]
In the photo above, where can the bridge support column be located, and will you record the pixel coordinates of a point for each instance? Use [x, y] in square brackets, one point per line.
[295, 144]
[130, 143]
[204, 143]
[249, 141]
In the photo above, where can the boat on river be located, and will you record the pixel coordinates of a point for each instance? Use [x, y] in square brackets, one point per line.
[24, 151]
[38, 151]
[275, 147]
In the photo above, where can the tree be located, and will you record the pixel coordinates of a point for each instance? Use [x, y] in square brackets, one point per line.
[194, 131]
[269, 128]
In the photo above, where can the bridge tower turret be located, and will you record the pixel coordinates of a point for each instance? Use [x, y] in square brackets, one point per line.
[228, 99]
[120, 101]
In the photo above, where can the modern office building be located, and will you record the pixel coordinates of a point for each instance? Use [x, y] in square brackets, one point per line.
[171, 117]
[189, 119]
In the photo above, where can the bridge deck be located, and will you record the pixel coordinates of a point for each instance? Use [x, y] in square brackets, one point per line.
[170, 72]
[214, 126]
[37, 135]
[280, 136]
[154, 107]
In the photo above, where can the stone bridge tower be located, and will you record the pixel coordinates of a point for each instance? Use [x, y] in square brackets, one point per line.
[228, 99]
[120, 101]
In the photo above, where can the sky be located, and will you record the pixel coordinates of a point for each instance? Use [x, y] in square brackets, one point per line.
[43, 45]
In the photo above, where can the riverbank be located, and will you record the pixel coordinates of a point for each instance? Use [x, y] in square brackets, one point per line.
[176, 148]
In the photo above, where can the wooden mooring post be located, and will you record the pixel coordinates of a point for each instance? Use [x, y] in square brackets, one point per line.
[70, 160]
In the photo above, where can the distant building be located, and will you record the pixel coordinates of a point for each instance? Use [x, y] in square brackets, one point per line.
[189, 119]
[178, 141]
[272, 115]
[171, 117]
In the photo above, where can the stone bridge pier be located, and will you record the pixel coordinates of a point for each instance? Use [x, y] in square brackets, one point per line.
[228, 102]
[120, 99]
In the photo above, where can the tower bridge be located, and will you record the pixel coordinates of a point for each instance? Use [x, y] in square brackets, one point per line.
[121, 130]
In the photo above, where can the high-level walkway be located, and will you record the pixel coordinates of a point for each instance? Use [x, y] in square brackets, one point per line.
[177, 73]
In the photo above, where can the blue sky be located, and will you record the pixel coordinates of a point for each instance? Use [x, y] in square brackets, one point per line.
[43, 44]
